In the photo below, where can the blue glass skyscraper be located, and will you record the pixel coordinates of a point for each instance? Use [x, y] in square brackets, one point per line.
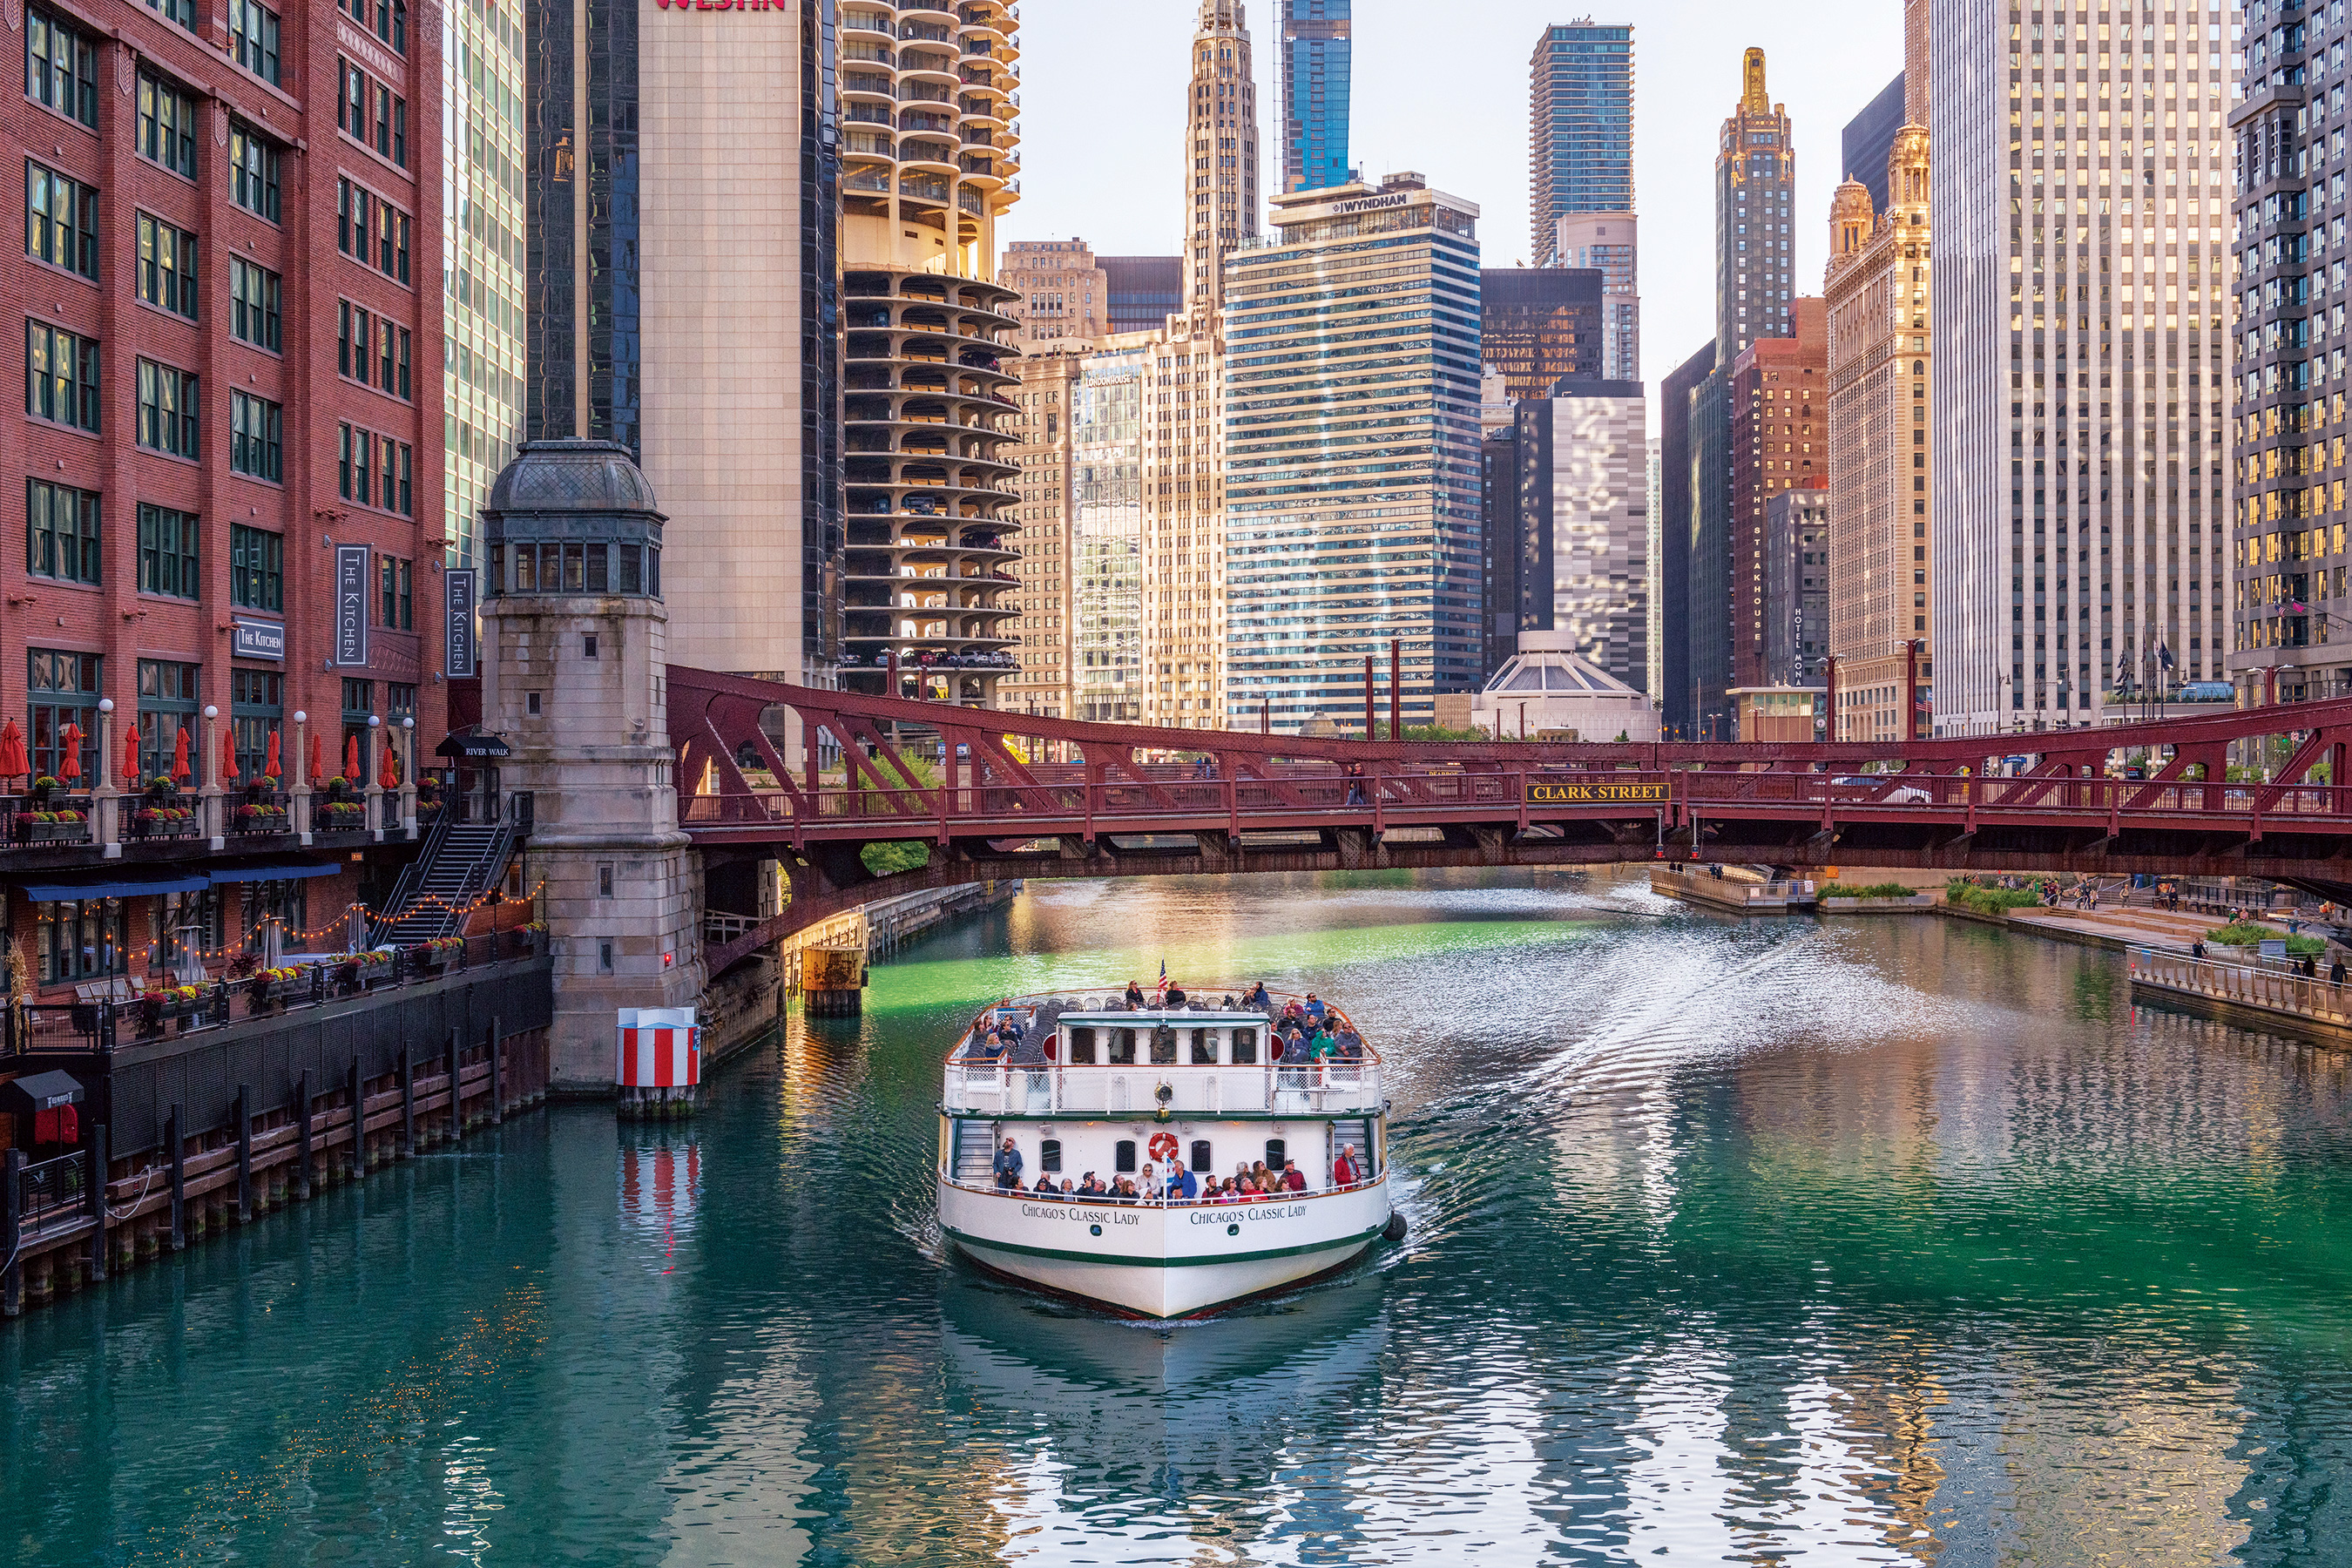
[1580, 111]
[1315, 61]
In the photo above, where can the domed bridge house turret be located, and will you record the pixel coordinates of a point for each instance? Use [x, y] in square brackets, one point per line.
[574, 633]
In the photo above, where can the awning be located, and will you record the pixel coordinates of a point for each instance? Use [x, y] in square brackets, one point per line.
[274, 871]
[60, 887]
[46, 1091]
[467, 743]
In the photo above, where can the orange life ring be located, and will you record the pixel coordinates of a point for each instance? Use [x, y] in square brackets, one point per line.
[1163, 1145]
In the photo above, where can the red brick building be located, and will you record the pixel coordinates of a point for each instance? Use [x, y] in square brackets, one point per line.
[226, 320]
[1779, 441]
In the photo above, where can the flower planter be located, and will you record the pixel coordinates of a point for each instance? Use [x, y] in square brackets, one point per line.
[251, 819]
[339, 819]
[53, 833]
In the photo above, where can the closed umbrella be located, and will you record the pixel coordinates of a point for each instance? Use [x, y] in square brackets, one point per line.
[69, 748]
[389, 776]
[130, 756]
[228, 760]
[269, 768]
[14, 762]
[351, 759]
[181, 772]
[317, 759]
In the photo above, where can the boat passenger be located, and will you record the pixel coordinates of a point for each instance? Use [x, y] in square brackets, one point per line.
[1260, 1179]
[1175, 996]
[1134, 995]
[1227, 1005]
[1222, 1191]
[1091, 1187]
[1314, 1008]
[1257, 996]
[1122, 1190]
[1147, 1184]
[1294, 1180]
[1182, 1187]
[1343, 1169]
[1321, 1047]
[1008, 1166]
[1045, 1188]
[1351, 1045]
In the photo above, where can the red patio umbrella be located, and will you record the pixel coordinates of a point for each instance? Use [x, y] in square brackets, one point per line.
[228, 759]
[13, 758]
[70, 754]
[130, 756]
[180, 771]
[389, 776]
[317, 759]
[269, 768]
[351, 759]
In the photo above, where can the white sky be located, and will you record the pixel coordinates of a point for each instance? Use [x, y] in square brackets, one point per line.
[1102, 119]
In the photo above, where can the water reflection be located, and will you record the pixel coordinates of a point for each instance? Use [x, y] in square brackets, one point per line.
[1848, 1242]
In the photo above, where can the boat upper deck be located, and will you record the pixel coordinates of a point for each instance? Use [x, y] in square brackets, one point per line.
[1087, 1054]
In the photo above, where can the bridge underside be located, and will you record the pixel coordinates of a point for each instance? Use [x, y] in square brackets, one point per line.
[829, 879]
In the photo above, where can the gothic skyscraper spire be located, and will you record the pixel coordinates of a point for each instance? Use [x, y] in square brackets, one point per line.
[1220, 152]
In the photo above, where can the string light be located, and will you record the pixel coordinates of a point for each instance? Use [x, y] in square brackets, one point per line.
[341, 922]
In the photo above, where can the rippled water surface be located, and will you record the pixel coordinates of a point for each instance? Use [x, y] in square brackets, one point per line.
[1850, 1242]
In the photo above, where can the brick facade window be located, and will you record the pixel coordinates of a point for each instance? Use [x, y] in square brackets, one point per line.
[254, 309]
[257, 569]
[387, 20]
[60, 66]
[167, 552]
[64, 689]
[61, 531]
[253, 169]
[168, 409]
[395, 610]
[254, 28]
[255, 446]
[181, 13]
[167, 265]
[169, 695]
[60, 220]
[257, 701]
[61, 379]
[167, 125]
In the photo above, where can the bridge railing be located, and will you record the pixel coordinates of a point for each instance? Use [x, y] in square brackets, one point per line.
[1309, 1090]
[2274, 990]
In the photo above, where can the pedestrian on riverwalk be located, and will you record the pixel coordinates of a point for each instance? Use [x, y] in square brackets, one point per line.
[2335, 972]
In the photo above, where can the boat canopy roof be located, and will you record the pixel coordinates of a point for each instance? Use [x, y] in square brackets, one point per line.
[1153, 1016]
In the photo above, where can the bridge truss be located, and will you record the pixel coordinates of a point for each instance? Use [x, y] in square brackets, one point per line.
[1136, 800]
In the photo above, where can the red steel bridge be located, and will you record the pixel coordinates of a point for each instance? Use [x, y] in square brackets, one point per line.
[1141, 801]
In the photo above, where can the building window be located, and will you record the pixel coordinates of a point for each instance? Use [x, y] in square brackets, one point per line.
[167, 409]
[182, 12]
[169, 693]
[403, 367]
[254, 430]
[185, 921]
[395, 606]
[81, 939]
[167, 265]
[257, 568]
[60, 532]
[252, 170]
[257, 701]
[60, 66]
[351, 101]
[399, 702]
[64, 689]
[254, 309]
[387, 20]
[60, 376]
[253, 27]
[60, 221]
[167, 125]
[167, 552]
[359, 706]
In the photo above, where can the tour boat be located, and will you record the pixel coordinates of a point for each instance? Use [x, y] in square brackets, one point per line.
[1122, 1092]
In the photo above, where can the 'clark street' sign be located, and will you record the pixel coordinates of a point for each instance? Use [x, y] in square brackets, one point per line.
[1552, 791]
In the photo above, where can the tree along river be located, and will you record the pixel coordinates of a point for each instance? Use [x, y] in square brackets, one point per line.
[1865, 1240]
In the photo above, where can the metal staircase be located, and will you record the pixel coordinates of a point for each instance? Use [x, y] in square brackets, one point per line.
[459, 863]
[975, 1154]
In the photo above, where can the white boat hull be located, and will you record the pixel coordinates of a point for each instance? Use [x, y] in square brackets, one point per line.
[1156, 1262]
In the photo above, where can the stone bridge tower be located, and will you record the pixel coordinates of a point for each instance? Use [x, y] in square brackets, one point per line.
[573, 676]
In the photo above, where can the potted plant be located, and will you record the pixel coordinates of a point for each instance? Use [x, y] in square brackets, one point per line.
[436, 952]
[44, 788]
[527, 936]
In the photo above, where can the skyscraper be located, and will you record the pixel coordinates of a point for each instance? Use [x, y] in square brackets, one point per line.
[1315, 69]
[1352, 453]
[683, 295]
[1221, 144]
[1580, 126]
[1145, 290]
[482, 277]
[1611, 243]
[1537, 324]
[1060, 290]
[1779, 411]
[2291, 609]
[1678, 523]
[2077, 442]
[1878, 289]
[1583, 526]
[1869, 137]
[1755, 177]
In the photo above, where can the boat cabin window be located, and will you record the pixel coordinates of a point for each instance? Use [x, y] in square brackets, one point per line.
[1204, 1049]
[1123, 1158]
[1164, 1045]
[1245, 1048]
[1049, 1156]
[1082, 1047]
[1201, 1152]
[1122, 1048]
[1275, 1154]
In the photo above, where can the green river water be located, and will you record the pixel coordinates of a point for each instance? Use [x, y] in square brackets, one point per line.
[1849, 1241]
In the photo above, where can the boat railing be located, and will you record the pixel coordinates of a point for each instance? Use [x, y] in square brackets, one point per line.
[1054, 1089]
[1143, 1200]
